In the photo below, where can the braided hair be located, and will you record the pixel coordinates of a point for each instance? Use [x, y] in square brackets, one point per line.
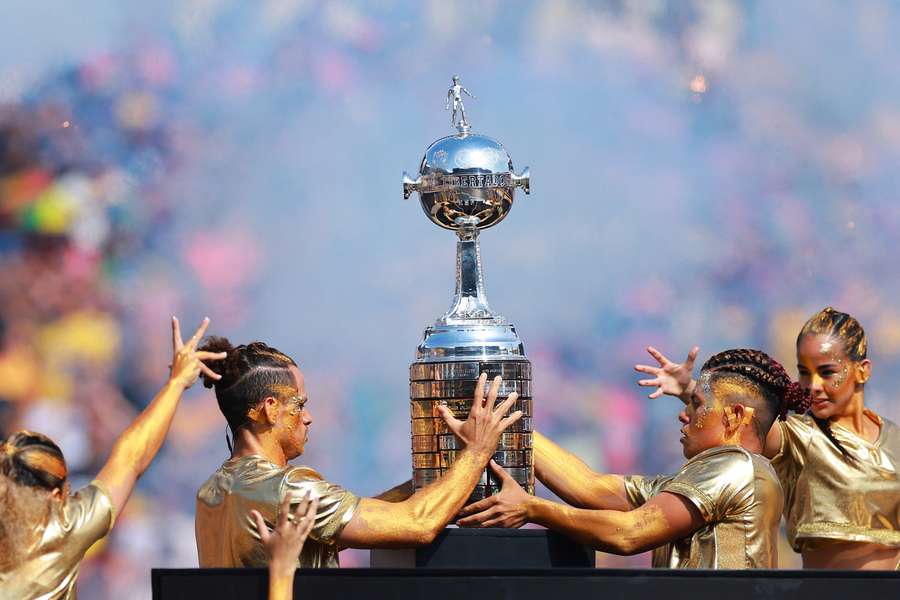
[766, 374]
[842, 326]
[249, 373]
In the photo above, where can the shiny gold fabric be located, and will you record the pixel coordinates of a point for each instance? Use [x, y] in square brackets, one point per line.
[225, 530]
[829, 497]
[51, 566]
[740, 499]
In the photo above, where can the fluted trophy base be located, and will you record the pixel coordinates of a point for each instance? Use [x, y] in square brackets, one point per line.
[453, 382]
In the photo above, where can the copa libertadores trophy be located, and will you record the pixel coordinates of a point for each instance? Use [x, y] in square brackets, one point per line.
[466, 183]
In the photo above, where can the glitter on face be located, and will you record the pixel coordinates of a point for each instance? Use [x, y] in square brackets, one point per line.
[293, 402]
[841, 376]
[700, 417]
[296, 404]
[706, 383]
[706, 386]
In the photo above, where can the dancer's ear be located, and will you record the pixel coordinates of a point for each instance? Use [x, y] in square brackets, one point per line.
[266, 413]
[863, 371]
[736, 416]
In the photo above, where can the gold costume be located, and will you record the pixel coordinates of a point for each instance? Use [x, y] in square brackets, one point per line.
[739, 498]
[831, 497]
[50, 568]
[226, 532]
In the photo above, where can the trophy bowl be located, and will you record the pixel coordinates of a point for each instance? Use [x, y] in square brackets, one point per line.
[464, 180]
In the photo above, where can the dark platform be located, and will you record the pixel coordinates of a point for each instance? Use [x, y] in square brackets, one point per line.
[490, 548]
[504, 564]
[529, 584]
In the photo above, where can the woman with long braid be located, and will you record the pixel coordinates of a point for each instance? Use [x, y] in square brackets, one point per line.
[719, 511]
[839, 462]
[44, 532]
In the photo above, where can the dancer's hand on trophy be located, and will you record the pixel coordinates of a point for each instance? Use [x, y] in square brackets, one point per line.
[187, 363]
[481, 430]
[670, 378]
[507, 508]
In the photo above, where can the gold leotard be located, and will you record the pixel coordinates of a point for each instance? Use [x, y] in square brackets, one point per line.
[739, 497]
[226, 532]
[50, 568]
[830, 497]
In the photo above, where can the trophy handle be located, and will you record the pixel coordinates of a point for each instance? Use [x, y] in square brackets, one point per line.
[410, 185]
[522, 180]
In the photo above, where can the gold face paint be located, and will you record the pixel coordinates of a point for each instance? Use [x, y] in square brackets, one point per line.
[281, 390]
[732, 388]
[700, 418]
[827, 348]
[289, 394]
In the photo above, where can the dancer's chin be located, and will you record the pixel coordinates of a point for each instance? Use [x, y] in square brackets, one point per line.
[821, 409]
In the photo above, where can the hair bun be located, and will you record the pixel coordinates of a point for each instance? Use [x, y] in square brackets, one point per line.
[217, 344]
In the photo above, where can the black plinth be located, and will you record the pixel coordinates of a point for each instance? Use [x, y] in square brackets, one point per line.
[492, 549]
[529, 584]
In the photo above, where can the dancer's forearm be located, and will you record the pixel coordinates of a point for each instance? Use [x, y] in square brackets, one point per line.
[571, 479]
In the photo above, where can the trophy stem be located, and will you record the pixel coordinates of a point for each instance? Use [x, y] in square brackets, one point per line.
[469, 301]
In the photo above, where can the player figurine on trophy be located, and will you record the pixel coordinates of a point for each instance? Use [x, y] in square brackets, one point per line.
[466, 183]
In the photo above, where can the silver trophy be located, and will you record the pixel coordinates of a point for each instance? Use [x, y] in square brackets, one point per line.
[466, 183]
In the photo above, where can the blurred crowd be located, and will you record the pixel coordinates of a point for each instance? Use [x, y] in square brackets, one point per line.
[702, 176]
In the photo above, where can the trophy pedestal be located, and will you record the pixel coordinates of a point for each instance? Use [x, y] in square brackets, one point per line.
[491, 549]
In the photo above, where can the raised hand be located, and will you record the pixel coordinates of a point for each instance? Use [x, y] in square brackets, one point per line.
[508, 508]
[186, 361]
[481, 430]
[284, 543]
[669, 378]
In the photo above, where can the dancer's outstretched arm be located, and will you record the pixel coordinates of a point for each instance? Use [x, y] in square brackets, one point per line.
[419, 518]
[664, 518]
[576, 483]
[571, 479]
[137, 446]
